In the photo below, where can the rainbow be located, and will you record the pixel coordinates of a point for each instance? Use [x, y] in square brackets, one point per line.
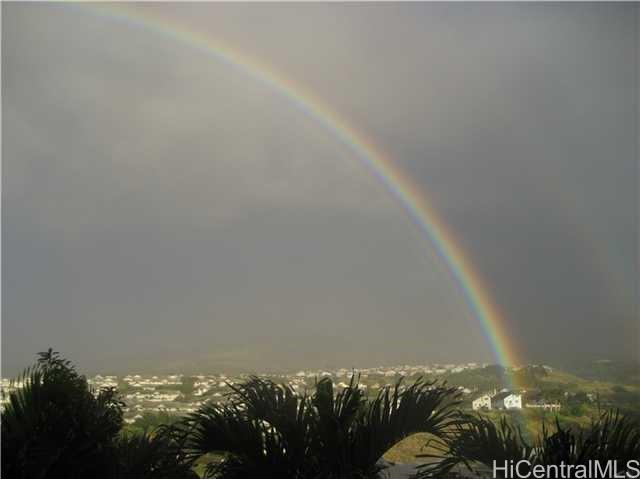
[413, 200]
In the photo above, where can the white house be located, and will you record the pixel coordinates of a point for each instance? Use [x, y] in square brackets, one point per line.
[513, 401]
[483, 402]
[507, 400]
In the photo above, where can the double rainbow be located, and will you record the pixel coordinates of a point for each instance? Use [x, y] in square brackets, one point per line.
[409, 195]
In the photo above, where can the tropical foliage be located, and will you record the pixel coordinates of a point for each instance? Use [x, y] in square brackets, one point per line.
[477, 442]
[268, 430]
[57, 426]
[157, 455]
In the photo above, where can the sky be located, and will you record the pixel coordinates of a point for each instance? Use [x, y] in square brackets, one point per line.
[165, 211]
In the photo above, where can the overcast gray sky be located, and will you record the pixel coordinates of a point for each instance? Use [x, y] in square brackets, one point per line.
[163, 210]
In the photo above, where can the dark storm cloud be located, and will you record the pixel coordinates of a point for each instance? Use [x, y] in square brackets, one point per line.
[161, 209]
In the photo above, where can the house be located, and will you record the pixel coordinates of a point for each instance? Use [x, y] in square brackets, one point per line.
[507, 400]
[513, 401]
[483, 402]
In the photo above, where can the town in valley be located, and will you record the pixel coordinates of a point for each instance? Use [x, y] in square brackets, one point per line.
[542, 391]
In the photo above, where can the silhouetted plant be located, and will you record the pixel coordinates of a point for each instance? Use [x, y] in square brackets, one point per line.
[267, 430]
[477, 442]
[56, 426]
[156, 455]
[612, 436]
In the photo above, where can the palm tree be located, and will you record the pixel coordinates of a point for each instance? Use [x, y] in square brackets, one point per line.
[153, 455]
[54, 426]
[477, 442]
[268, 430]
[57, 426]
[611, 436]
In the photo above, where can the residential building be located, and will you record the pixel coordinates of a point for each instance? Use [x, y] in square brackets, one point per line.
[483, 402]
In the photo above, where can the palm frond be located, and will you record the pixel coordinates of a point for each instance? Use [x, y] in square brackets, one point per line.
[269, 429]
[477, 442]
[153, 455]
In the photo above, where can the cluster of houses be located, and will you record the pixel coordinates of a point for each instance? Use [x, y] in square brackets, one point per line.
[149, 382]
[501, 400]
[204, 384]
[390, 371]
[7, 387]
[508, 400]
[167, 392]
[133, 413]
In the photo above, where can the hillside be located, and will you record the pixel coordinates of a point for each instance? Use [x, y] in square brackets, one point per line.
[581, 397]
